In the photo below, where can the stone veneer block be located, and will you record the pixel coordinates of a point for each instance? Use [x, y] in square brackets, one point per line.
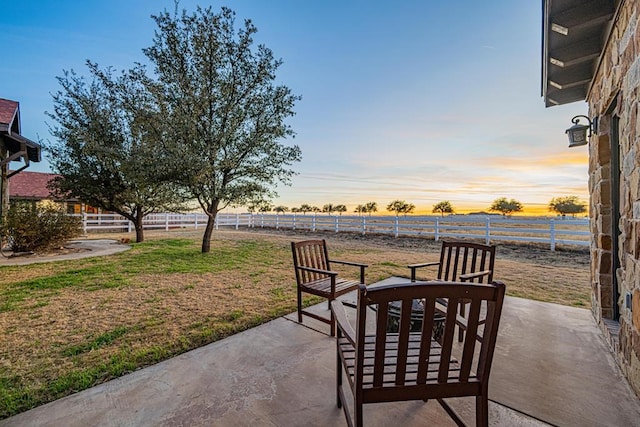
[636, 310]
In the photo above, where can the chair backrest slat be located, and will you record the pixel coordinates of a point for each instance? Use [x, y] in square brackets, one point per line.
[403, 340]
[380, 344]
[425, 340]
[473, 320]
[447, 340]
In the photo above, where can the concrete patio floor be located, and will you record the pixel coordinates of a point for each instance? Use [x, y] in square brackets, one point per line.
[551, 367]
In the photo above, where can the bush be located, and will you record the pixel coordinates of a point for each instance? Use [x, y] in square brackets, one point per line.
[40, 227]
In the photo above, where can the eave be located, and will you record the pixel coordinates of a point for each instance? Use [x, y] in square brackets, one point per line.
[574, 33]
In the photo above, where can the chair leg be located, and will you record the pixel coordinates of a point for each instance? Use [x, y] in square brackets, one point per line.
[462, 310]
[333, 323]
[357, 413]
[299, 306]
[482, 411]
[338, 374]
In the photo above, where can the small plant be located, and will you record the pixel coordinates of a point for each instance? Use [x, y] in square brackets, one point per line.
[38, 227]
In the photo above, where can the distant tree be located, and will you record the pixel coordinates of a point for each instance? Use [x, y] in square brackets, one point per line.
[409, 208]
[328, 208]
[315, 209]
[226, 113]
[305, 208]
[506, 207]
[400, 207]
[360, 209]
[295, 210]
[567, 205]
[280, 209]
[396, 206]
[265, 207]
[444, 207]
[340, 209]
[259, 206]
[371, 207]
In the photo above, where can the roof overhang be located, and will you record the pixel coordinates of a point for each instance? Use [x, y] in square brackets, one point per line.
[19, 146]
[574, 33]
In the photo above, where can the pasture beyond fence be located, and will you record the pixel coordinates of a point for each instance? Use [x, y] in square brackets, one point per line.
[489, 228]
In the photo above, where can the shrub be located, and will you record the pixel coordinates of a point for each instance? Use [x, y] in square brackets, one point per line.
[40, 227]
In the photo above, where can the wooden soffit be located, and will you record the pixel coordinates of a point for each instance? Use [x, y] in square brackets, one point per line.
[574, 33]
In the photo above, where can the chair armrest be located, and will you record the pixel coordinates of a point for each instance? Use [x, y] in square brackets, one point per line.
[340, 314]
[470, 276]
[318, 270]
[424, 264]
[353, 264]
[413, 268]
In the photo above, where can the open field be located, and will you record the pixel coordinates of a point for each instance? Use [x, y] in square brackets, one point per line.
[70, 325]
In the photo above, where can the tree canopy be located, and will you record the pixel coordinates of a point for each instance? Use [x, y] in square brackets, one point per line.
[226, 115]
[400, 207]
[506, 207]
[570, 205]
[106, 153]
[370, 207]
[444, 207]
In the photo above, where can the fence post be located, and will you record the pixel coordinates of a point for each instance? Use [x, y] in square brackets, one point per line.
[262, 221]
[396, 227]
[129, 226]
[552, 233]
[293, 222]
[437, 230]
[166, 221]
[237, 220]
[195, 221]
[217, 220]
[84, 222]
[277, 222]
[313, 223]
[337, 224]
[364, 225]
[487, 230]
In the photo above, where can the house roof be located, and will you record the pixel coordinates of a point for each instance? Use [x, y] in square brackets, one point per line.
[8, 111]
[10, 133]
[574, 33]
[30, 185]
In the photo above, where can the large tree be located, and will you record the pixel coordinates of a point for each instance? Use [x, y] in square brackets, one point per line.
[106, 149]
[226, 114]
[567, 205]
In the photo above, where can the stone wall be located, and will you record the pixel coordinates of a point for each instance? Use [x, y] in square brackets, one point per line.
[615, 95]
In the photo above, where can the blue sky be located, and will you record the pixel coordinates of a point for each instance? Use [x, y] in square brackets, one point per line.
[415, 100]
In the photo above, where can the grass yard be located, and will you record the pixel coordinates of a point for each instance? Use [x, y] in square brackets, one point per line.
[69, 325]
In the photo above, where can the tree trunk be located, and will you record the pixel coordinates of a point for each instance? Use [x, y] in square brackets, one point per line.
[139, 227]
[206, 239]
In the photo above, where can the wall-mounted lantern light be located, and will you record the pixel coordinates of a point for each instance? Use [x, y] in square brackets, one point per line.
[578, 133]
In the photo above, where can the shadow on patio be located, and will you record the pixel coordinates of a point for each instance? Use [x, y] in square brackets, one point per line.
[551, 366]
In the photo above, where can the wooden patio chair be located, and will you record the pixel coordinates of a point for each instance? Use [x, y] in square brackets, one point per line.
[464, 262]
[388, 367]
[315, 276]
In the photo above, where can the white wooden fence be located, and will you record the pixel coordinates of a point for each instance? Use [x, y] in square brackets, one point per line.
[551, 231]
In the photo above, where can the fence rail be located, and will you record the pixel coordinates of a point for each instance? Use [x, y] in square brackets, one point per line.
[549, 231]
